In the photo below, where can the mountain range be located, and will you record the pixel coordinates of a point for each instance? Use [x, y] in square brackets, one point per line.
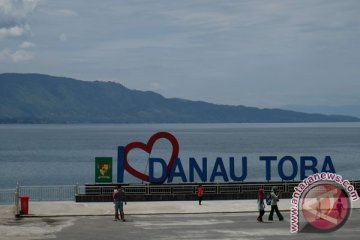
[38, 98]
[349, 110]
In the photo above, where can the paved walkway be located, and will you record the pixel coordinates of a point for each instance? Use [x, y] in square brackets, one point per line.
[229, 220]
[53, 209]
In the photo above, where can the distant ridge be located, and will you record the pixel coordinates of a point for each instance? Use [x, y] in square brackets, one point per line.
[38, 98]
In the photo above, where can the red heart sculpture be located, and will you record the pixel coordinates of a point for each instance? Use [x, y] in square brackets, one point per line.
[147, 148]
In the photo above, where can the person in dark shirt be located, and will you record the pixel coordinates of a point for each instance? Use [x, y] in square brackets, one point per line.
[119, 198]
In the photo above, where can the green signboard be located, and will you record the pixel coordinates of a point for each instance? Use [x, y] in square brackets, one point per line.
[103, 169]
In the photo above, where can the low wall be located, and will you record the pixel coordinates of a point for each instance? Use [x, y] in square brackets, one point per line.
[187, 192]
[182, 197]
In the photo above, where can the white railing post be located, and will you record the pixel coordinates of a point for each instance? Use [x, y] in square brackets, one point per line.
[17, 209]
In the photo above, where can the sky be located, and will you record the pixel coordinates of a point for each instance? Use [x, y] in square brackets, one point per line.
[265, 54]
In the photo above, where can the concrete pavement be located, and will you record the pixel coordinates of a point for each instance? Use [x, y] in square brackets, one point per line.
[223, 226]
[136, 208]
[53, 209]
[232, 219]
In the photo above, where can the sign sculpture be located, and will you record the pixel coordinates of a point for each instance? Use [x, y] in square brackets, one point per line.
[173, 168]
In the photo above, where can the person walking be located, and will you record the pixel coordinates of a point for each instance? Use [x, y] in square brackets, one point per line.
[119, 197]
[116, 211]
[274, 207]
[261, 204]
[200, 193]
[339, 208]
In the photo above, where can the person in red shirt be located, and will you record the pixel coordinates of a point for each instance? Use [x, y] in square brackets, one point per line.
[200, 193]
[261, 205]
[339, 207]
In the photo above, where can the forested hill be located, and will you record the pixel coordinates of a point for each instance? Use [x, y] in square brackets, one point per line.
[37, 98]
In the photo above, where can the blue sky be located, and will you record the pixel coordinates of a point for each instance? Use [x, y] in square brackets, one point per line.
[255, 53]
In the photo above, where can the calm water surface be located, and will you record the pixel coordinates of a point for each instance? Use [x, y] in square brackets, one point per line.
[64, 154]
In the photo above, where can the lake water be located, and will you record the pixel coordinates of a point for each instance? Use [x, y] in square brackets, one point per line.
[64, 154]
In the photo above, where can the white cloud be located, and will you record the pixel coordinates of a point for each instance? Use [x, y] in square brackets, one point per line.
[17, 56]
[63, 37]
[21, 55]
[155, 86]
[15, 31]
[5, 55]
[26, 45]
[16, 10]
[13, 24]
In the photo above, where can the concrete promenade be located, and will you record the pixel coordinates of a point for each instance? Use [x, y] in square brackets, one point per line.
[68, 208]
[137, 208]
[230, 219]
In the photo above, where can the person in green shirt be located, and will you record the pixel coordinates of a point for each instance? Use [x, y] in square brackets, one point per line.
[274, 207]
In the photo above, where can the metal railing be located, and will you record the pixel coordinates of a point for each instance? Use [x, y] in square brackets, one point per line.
[176, 189]
[167, 189]
[7, 196]
[69, 192]
[49, 193]
[155, 190]
[39, 193]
